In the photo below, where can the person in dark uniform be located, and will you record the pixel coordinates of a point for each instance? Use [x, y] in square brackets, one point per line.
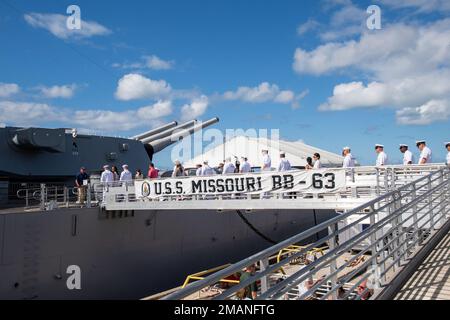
[81, 183]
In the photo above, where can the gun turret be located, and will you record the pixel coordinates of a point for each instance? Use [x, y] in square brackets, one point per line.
[169, 132]
[155, 131]
[157, 145]
[39, 139]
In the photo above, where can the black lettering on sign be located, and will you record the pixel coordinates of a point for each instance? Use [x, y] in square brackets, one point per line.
[276, 182]
[288, 181]
[220, 186]
[318, 183]
[158, 188]
[211, 186]
[230, 185]
[168, 187]
[240, 184]
[179, 186]
[196, 186]
[331, 180]
[259, 183]
[251, 184]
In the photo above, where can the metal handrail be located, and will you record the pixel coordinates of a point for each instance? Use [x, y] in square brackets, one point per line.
[385, 210]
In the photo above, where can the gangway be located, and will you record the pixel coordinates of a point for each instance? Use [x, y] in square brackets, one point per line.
[409, 215]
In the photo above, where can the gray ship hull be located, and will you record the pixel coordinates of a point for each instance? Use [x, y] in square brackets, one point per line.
[129, 255]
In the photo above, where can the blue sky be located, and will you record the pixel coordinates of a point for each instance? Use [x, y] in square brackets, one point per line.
[310, 68]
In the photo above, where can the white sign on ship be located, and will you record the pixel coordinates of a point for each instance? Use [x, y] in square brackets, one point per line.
[314, 181]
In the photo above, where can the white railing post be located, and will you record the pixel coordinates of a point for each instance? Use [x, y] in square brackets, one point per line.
[430, 205]
[43, 197]
[442, 192]
[377, 172]
[414, 210]
[263, 264]
[333, 264]
[88, 196]
[27, 203]
[374, 250]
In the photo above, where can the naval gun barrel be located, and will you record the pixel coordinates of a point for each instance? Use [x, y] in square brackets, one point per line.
[155, 131]
[160, 144]
[169, 132]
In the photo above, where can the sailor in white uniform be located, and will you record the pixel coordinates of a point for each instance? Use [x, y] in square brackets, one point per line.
[206, 169]
[382, 159]
[349, 161]
[228, 167]
[126, 175]
[198, 172]
[408, 157]
[447, 145]
[425, 152]
[107, 176]
[245, 166]
[267, 163]
[284, 165]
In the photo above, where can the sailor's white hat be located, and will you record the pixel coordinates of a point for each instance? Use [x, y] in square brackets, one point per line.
[106, 166]
[420, 141]
[282, 153]
[125, 166]
[402, 145]
[346, 148]
[379, 145]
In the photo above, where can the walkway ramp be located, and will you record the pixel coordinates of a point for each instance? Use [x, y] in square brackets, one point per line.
[431, 281]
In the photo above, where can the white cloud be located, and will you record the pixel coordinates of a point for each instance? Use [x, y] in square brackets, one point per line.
[308, 26]
[155, 111]
[148, 62]
[32, 114]
[8, 89]
[285, 96]
[156, 63]
[265, 92]
[405, 66]
[64, 91]
[348, 14]
[135, 86]
[56, 25]
[195, 109]
[432, 111]
[27, 113]
[423, 6]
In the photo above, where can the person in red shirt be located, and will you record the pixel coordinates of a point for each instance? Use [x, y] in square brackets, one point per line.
[152, 172]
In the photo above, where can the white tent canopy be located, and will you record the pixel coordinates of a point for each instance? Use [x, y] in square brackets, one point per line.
[250, 147]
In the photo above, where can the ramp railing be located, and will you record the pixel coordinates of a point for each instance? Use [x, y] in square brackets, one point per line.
[389, 230]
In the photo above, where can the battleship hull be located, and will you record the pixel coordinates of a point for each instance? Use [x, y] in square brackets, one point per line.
[130, 255]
